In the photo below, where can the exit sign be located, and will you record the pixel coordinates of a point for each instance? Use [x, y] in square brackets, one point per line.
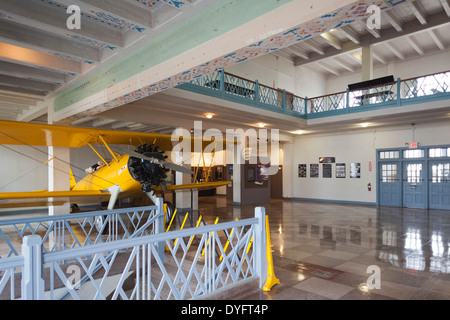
[413, 145]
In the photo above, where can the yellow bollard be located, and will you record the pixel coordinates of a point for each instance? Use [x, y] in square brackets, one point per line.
[192, 238]
[228, 242]
[271, 279]
[170, 224]
[182, 226]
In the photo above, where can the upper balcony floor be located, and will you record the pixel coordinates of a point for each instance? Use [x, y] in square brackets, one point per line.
[391, 94]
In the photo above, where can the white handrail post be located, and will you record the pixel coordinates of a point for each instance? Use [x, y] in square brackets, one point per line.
[159, 226]
[32, 281]
[260, 245]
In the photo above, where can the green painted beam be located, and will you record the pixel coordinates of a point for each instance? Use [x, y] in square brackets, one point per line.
[218, 19]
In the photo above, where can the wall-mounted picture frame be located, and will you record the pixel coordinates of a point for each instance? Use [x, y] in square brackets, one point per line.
[355, 170]
[327, 169]
[302, 170]
[314, 170]
[340, 170]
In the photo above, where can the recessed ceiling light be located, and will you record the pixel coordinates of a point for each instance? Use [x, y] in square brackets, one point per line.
[364, 125]
[209, 115]
[298, 132]
[261, 125]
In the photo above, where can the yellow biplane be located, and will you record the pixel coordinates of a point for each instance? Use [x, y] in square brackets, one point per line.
[125, 175]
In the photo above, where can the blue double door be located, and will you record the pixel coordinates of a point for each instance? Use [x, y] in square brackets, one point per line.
[415, 184]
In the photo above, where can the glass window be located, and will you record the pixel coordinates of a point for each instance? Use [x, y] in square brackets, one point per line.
[389, 154]
[439, 152]
[389, 173]
[440, 172]
[414, 172]
[413, 153]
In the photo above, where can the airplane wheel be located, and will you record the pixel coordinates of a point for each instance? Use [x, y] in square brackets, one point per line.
[169, 212]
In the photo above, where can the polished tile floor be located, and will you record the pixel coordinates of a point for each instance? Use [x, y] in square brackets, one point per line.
[323, 251]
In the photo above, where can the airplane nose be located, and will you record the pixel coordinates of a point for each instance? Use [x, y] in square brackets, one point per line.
[149, 174]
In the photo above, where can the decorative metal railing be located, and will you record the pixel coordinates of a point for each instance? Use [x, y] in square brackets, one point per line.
[77, 230]
[401, 92]
[181, 264]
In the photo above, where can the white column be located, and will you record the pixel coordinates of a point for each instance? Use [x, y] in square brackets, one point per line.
[183, 198]
[367, 62]
[58, 170]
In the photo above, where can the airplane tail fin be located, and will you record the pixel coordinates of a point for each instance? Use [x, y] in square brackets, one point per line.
[73, 182]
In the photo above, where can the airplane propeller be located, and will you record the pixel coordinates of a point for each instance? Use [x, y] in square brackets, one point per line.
[148, 166]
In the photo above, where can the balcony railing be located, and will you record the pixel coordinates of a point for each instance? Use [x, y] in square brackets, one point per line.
[401, 92]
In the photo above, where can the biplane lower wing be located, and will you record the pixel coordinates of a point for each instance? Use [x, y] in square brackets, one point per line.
[48, 198]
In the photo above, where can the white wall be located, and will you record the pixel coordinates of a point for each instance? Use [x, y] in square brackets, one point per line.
[358, 146]
[278, 73]
[410, 68]
[22, 169]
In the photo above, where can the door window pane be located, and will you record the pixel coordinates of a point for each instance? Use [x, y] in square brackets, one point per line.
[414, 172]
[440, 172]
[389, 173]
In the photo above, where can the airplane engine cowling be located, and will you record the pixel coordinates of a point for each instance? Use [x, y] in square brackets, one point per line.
[145, 172]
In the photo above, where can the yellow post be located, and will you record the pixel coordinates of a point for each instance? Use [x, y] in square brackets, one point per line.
[198, 223]
[182, 226]
[271, 279]
[228, 242]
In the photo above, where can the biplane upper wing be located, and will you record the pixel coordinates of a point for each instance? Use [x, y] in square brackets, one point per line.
[33, 134]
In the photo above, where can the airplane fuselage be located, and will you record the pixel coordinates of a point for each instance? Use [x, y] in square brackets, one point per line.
[108, 175]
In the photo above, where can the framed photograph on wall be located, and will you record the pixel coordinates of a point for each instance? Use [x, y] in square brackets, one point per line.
[314, 170]
[340, 170]
[326, 170]
[355, 170]
[302, 170]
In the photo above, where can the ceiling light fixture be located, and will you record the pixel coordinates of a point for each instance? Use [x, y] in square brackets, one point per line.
[209, 115]
[261, 125]
[364, 125]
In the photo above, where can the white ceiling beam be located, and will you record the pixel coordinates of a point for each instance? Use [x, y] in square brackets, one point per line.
[446, 6]
[33, 113]
[81, 121]
[298, 52]
[121, 124]
[283, 55]
[28, 57]
[415, 44]
[350, 33]
[53, 20]
[418, 12]
[16, 70]
[332, 40]
[328, 68]
[17, 100]
[25, 83]
[393, 48]
[374, 32]
[43, 42]
[343, 64]
[356, 56]
[437, 40]
[102, 122]
[394, 20]
[314, 46]
[378, 57]
[409, 28]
